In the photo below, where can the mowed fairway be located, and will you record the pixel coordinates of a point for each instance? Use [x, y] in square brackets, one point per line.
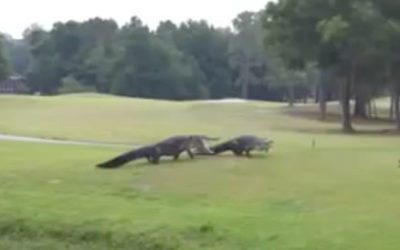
[342, 194]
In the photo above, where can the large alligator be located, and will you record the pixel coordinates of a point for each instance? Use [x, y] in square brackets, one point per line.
[243, 144]
[173, 146]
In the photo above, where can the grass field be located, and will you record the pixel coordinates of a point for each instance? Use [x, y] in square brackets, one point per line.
[343, 194]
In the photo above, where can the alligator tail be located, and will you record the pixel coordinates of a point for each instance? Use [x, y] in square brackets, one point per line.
[122, 159]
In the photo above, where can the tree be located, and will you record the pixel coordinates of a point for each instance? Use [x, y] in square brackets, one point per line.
[149, 67]
[97, 53]
[83, 50]
[336, 34]
[389, 39]
[246, 50]
[4, 64]
[207, 47]
[44, 70]
[289, 39]
[70, 85]
[18, 53]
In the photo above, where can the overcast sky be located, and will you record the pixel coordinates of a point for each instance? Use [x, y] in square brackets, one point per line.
[17, 15]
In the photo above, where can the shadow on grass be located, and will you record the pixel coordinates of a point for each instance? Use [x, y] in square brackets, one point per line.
[253, 156]
[166, 162]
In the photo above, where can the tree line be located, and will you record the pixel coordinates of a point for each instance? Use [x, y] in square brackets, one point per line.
[192, 60]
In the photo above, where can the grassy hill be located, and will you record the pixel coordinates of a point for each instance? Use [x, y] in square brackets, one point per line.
[343, 194]
[98, 117]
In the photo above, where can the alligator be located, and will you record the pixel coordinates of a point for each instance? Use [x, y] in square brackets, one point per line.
[243, 144]
[173, 146]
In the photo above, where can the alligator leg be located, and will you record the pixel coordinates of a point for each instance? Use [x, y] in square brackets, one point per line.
[238, 152]
[190, 154]
[155, 159]
[248, 154]
[176, 157]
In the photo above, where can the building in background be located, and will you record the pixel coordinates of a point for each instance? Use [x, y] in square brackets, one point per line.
[14, 85]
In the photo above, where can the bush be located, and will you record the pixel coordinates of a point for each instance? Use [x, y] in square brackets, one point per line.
[70, 85]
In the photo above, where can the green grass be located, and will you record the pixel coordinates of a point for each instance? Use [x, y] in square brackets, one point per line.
[120, 119]
[343, 194]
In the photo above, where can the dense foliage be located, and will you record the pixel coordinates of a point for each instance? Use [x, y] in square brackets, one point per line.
[4, 63]
[192, 60]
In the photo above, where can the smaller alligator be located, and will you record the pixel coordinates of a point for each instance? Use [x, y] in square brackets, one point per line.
[243, 144]
[173, 146]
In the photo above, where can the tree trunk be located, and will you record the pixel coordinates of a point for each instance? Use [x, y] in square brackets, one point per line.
[322, 94]
[322, 102]
[291, 95]
[391, 111]
[369, 109]
[346, 115]
[397, 110]
[375, 109]
[360, 104]
[245, 83]
[345, 97]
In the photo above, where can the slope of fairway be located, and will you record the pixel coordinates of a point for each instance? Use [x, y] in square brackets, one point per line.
[136, 121]
[108, 118]
[341, 194]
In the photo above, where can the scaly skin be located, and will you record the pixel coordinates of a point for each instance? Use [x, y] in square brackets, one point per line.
[243, 144]
[173, 146]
